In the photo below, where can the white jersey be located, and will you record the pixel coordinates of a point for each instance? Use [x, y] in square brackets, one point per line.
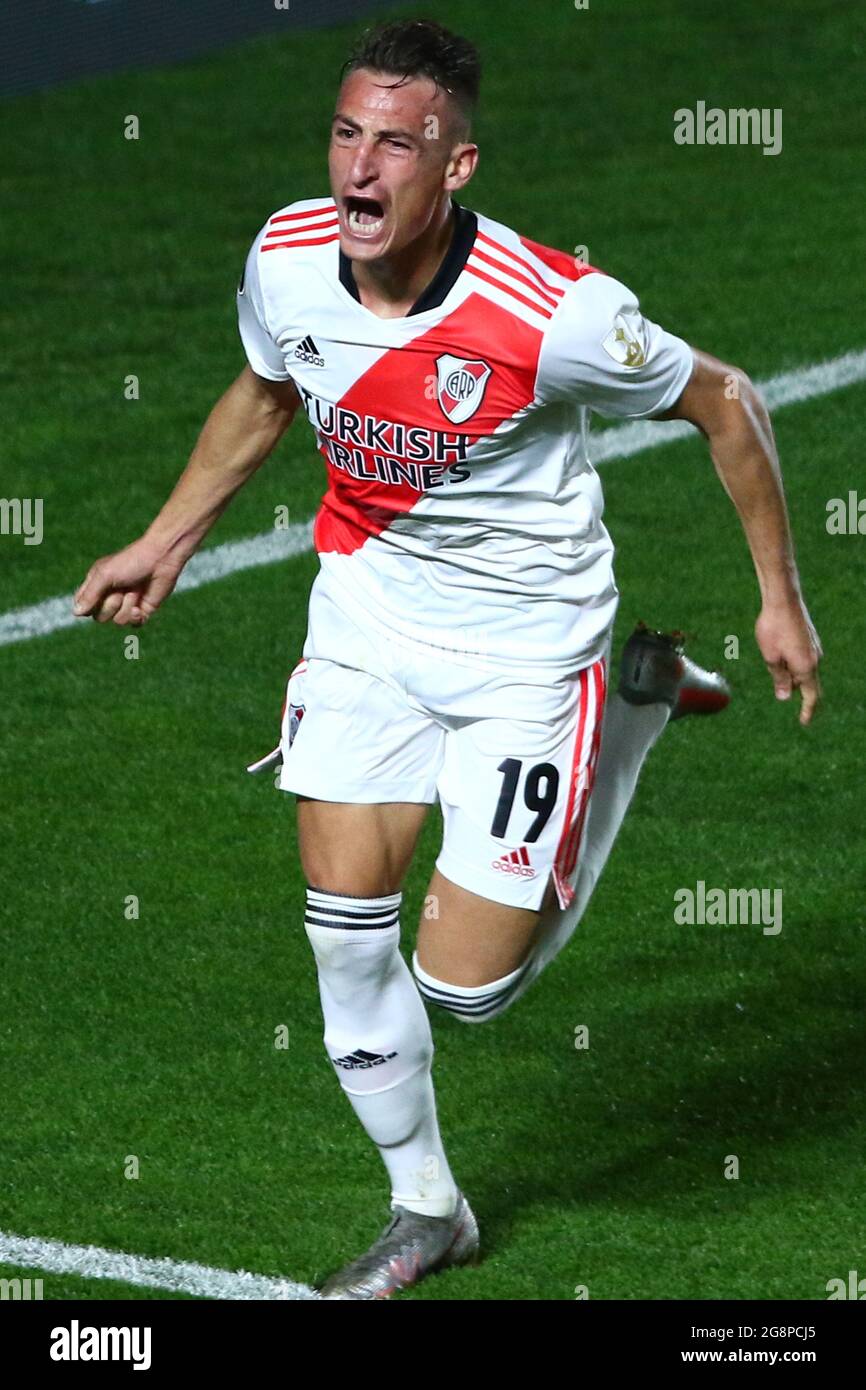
[462, 511]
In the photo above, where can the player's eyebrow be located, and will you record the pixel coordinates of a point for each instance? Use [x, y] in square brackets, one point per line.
[381, 134]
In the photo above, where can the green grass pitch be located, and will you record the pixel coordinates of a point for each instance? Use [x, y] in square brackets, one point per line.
[155, 1037]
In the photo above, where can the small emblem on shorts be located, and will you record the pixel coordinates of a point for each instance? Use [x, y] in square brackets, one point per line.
[461, 384]
[517, 862]
[296, 714]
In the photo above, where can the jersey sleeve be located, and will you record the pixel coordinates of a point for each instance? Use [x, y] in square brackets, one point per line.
[263, 354]
[599, 350]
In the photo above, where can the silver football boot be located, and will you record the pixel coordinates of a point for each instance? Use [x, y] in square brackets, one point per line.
[656, 670]
[410, 1247]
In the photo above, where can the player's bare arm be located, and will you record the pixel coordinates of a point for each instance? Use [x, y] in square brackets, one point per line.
[743, 450]
[241, 431]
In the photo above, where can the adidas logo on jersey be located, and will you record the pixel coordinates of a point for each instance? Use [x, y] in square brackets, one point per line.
[359, 1060]
[517, 862]
[307, 351]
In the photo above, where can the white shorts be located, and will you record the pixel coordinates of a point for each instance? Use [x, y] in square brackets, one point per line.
[512, 765]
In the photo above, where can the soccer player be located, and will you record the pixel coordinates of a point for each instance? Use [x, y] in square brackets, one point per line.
[459, 626]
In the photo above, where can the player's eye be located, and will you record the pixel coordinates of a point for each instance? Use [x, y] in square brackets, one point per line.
[399, 144]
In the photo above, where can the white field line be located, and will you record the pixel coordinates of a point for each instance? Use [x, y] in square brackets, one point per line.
[21, 624]
[803, 384]
[176, 1276]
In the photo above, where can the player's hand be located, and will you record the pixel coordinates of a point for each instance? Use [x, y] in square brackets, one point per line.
[127, 587]
[792, 649]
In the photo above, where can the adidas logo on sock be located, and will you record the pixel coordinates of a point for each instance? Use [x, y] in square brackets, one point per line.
[359, 1060]
[517, 862]
[307, 351]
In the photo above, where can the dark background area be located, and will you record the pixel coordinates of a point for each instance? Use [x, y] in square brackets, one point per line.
[43, 42]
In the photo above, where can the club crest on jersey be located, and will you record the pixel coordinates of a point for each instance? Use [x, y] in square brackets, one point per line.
[461, 383]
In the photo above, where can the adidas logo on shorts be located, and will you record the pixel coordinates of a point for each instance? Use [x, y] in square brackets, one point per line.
[308, 352]
[517, 862]
[359, 1060]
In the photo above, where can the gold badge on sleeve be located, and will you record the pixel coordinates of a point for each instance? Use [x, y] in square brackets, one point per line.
[628, 341]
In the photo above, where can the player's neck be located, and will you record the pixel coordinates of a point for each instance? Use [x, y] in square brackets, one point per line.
[391, 286]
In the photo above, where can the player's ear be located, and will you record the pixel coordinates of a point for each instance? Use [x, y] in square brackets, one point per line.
[461, 166]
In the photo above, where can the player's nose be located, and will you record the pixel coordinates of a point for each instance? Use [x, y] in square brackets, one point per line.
[363, 168]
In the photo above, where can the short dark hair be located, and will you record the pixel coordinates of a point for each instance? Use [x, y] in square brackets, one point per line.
[422, 48]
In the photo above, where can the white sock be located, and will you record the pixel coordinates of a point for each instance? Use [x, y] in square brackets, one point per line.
[378, 1036]
[469, 1003]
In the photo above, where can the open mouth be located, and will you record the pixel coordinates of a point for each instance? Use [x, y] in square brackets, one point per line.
[365, 216]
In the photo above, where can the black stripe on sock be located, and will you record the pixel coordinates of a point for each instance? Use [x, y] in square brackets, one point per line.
[326, 910]
[458, 1003]
[371, 924]
[355, 916]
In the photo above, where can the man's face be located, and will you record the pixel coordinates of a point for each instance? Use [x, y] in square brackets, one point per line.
[389, 161]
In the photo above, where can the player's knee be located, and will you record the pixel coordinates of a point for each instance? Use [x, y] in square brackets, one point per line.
[353, 850]
[362, 881]
[470, 1003]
